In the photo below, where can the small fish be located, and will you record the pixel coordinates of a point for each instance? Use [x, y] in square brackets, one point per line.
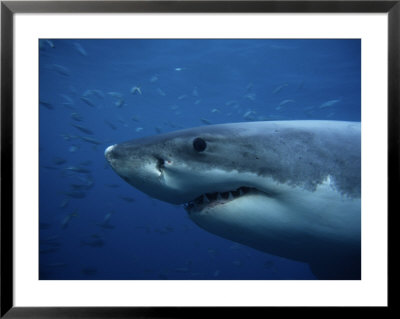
[98, 93]
[68, 102]
[251, 96]
[68, 137]
[115, 94]
[80, 49]
[120, 102]
[87, 93]
[179, 69]
[112, 126]
[197, 102]
[77, 117]
[108, 216]
[161, 92]
[65, 222]
[59, 160]
[64, 203]
[87, 101]
[73, 148]
[328, 103]
[139, 129]
[181, 97]
[158, 130]
[154, 78]
[86, 163]
[136, 90]
[82, 129]
[195, 92]
[279, 88]
[95, 241]
[250, 116]
[90, 140]
[47, 105]
[215, 111]
[283, 103]
[232, 103]
[73, 90]
[106, 225]
[135, 119]
[173, 125]
[205, 121]
[78, 169]
[85, 186]
[50, 44]
[122, 121]
[62, 70]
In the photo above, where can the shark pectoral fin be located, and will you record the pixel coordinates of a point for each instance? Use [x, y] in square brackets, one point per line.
[337, 268]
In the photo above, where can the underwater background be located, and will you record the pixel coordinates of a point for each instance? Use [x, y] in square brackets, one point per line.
[95, 93]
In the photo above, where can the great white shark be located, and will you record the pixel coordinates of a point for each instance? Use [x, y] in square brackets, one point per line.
[288, 188]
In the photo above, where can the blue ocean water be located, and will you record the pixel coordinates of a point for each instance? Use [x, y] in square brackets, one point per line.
[94, 93]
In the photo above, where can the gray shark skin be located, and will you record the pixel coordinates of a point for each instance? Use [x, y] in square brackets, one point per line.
[288, 188]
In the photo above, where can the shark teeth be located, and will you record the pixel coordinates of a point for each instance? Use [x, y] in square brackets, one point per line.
[216, 198]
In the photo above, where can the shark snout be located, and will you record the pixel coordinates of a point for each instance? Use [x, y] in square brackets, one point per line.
[111, 153]
[108, 152]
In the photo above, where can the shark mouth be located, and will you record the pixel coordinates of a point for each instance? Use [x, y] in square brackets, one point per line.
[218, 198]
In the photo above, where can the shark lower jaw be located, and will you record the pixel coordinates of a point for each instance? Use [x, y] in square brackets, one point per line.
[210, 200]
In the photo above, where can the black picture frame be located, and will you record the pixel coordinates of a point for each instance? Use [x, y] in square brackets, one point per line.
[9, 8]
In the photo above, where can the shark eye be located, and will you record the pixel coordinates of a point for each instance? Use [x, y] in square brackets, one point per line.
[199, 144]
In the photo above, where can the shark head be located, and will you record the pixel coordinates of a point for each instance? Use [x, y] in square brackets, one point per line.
[262, 184]
[191, 167]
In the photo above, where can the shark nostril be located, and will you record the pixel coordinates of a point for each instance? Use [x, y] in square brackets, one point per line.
[160, 162]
